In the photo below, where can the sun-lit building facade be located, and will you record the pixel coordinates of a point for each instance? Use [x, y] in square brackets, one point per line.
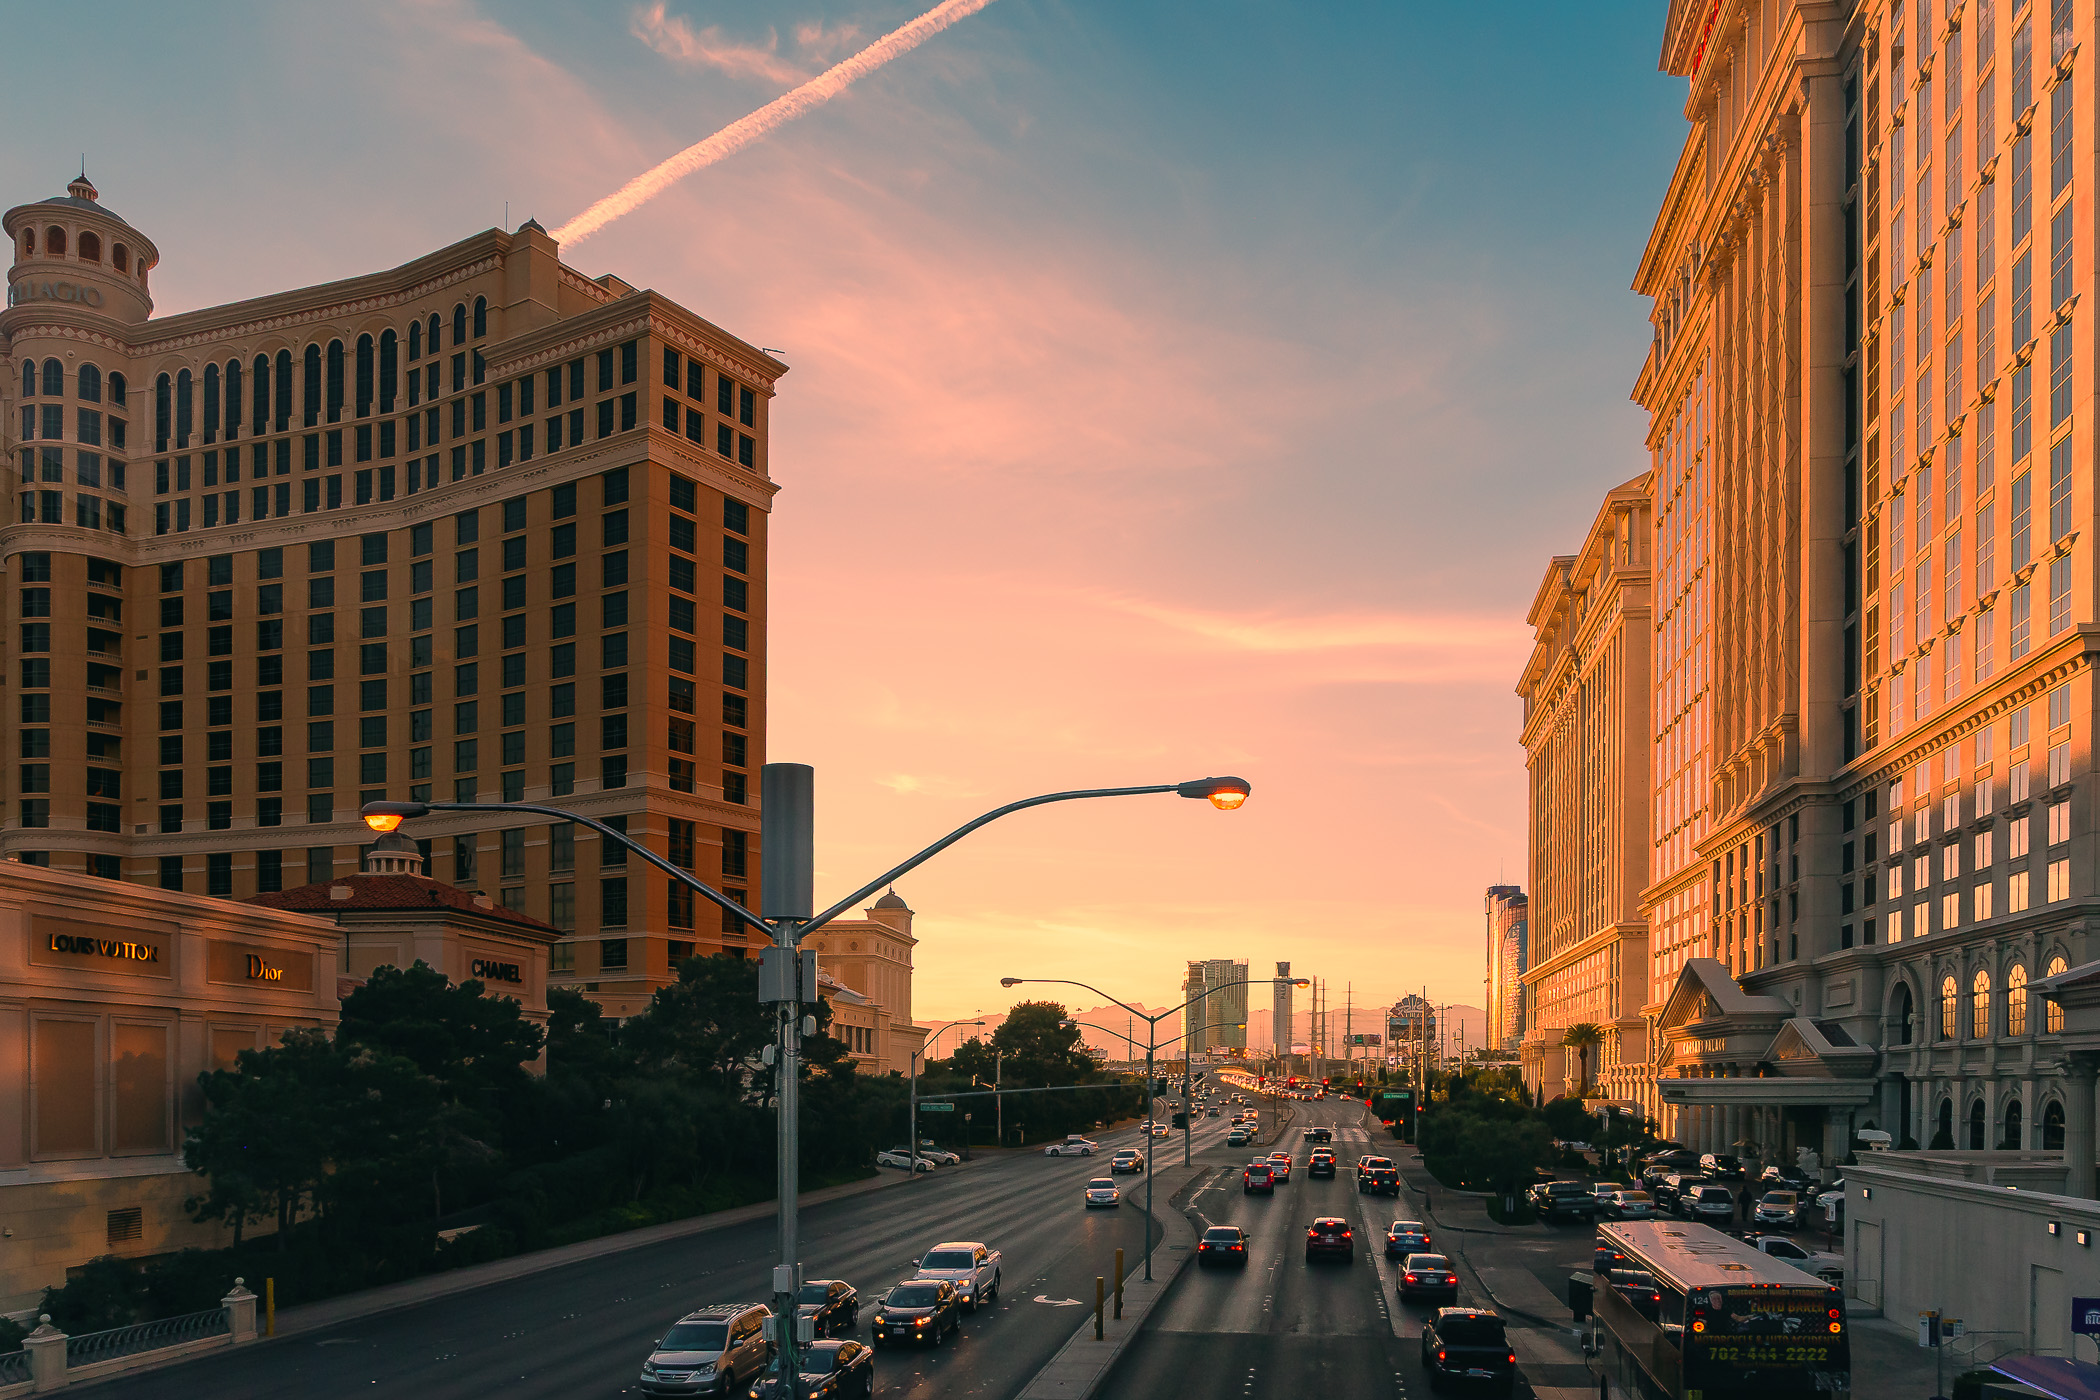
[474, 528]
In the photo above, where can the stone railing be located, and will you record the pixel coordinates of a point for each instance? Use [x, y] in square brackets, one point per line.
[51, 1360]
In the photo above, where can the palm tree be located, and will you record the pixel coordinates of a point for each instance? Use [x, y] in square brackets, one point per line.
[1580, 1038]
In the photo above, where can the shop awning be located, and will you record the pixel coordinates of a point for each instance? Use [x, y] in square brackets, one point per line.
[2056, 1376]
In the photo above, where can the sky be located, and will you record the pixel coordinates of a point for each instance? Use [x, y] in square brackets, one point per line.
[1176, 389]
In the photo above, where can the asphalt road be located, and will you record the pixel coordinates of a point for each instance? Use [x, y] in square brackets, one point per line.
[582, 1331]
[1285, 1328]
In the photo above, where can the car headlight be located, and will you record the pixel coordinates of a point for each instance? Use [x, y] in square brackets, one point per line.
[649, 1368]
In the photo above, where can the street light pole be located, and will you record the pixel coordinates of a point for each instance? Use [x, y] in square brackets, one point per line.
[1151, 1045]
[787, 979]
[911, 1148]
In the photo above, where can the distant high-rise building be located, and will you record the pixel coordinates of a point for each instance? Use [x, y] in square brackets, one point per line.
[1219, 1020]
[1280, 1012]
[1506, 939]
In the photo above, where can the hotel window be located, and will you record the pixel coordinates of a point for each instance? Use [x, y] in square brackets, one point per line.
[1980, 1006]
[2016, 1001]
[2016, 892]
[612, 954]
[2059, 880]
[2053, 1017]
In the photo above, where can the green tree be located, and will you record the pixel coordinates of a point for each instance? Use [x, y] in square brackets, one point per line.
[1582, 1038]
[1039, 1050]
[709, 1023]
[468, 1040]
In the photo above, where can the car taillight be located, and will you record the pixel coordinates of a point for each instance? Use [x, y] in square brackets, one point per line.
[1346, 1235]
[1238, 1246]
[1440, 1355]
[1512, 1358]
[1412, 1279]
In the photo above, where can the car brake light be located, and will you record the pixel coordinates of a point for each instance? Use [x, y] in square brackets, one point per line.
[1440, 1355]
[1512, 1358]
[1411, 1278]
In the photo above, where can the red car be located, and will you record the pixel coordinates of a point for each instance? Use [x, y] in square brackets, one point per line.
[1222, 1244]
[1258, 1177]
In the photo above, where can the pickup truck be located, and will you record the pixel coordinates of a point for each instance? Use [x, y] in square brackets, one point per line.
[1572, 1198]
[1828, 1267]
[972, 1267]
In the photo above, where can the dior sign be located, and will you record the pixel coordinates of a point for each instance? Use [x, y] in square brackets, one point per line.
[53, 291]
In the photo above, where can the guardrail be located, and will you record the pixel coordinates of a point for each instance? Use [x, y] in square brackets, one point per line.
[15, 1368]
[51, 1360]
[87, 1348]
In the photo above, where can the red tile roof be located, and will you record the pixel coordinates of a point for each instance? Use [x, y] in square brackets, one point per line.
[402, 893]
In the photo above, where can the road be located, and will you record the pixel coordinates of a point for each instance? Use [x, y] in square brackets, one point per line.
[582, 1331]
[1284, 1328]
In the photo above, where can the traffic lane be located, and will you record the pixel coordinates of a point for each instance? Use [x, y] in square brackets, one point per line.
[1258, 1366]
[584, 1329]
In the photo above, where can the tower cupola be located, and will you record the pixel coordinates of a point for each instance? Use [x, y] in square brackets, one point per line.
[75, 257]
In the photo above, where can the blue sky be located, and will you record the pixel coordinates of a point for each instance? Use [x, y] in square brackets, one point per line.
[1176, 388]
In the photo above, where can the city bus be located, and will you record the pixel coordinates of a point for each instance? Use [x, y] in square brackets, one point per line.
[1730, 1323]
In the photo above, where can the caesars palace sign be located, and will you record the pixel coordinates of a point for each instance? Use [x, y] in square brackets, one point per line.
[53, 291]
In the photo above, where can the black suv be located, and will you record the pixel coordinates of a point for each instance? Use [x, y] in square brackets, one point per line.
[1468, 1344]
[917, 1310]
[833, 1304]
[1377, 1176]
[1329, 1237]
[1576, 1200]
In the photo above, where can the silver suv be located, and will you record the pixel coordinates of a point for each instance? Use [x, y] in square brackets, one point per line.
[713, 1351]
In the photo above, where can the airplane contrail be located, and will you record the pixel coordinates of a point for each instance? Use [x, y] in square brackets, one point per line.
[777, 113]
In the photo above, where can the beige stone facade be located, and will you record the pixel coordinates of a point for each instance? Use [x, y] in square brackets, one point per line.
[474, 528]
[1587, 740]
[866, 965]
[113, 999]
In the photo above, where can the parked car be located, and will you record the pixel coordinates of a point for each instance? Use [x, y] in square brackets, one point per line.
[902, 1161]
[1468, 1344]
[1629, 1205]
[1427, 1275]
[710, 1351]
[1222, 1244]
[918, 1310]
[1667, 1192]
[1638, 1287]
[1712, 1205]
[1258, 1177]
[1575, 1199]
[1405, 1237]
[929, 1153]
[830, 1370]
[1102, 1191]
[1329, 1237]
[971, 1266]
[1828, 1267]
[1722, 1166]
[1070, 1147]
[831, 1304]
[1780, 1208]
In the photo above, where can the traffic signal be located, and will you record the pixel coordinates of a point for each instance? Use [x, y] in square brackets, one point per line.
[1181, 1120]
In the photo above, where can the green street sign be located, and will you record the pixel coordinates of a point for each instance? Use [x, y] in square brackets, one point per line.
[936, 1108]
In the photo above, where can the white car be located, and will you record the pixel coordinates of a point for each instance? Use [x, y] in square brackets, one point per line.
[1160, 1130]
[1101, 1191]
[1070, 1147]
[1826, 1266]
[902, 1161]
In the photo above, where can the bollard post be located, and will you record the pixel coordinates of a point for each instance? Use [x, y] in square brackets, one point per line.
[270, 1307]
[1099, 1297]
[1119, 1285]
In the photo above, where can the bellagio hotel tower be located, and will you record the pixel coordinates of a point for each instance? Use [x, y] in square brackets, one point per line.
[475, 528]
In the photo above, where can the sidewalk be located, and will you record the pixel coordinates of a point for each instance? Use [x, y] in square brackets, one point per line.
[1082, 1363]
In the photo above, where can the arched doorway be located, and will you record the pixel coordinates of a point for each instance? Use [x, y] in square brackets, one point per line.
[2014, 1139]
[2053, 1128]
[1943, 1136]
[1903, 1014]
[1976, 1126]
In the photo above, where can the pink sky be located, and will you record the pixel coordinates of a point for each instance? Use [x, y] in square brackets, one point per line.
[1137, 430]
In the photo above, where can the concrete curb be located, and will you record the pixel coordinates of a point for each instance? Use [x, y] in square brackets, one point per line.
[1083, 1363]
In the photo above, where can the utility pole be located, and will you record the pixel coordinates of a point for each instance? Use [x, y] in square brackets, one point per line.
[1348, 1029]
[787, 900]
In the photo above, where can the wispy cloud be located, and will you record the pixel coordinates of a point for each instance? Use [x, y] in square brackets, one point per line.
[1277, 632]
[674, 37]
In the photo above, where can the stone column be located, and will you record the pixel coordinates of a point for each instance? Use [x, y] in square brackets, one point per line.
[2030, 1130]
[2079, 1070]
[240, 1312]
[47, 1355]
[1834, 1141]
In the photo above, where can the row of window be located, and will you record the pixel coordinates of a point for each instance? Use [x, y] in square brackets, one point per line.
[2010, 1010]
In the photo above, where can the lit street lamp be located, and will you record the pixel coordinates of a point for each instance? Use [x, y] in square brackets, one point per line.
[787, 978]
[1151, 1049]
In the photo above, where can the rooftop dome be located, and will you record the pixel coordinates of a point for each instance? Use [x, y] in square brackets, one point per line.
[81, 194]
[891, 901]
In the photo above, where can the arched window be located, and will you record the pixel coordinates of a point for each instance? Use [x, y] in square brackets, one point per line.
[1905, 1014]
[335, 381]
[211, 402]
[433, 332]
[262, 394]
[415, 340]
[28, 242]
[185, 407]
[1943, 1137]
[116, 388]
[310, 387]
[90, 247]
[389, 369]
[163, 411]
[2014, 1127]
[54, 379]
[55, 241]
[88, 384]
[2053, 1128]
[1976, 1126]
[1980, 1006]
[459, 324]
[1948, 995]
[233, 398]
[2016, 1000]
[481, 317]
[2054, 1020]
[29, 379]
[120, 257]
[366, 372]
[282, 414]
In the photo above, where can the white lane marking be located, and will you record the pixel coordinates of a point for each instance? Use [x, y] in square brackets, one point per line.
[1059, 1302]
